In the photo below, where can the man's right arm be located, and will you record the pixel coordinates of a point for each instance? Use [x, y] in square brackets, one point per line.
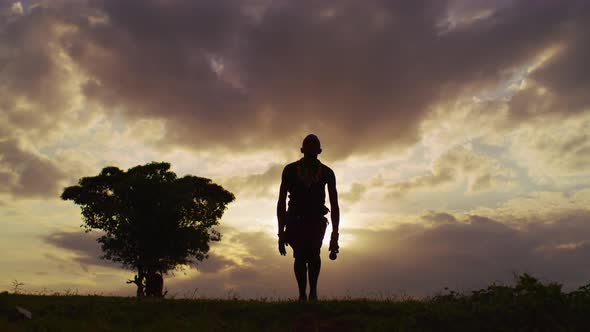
[282, 212]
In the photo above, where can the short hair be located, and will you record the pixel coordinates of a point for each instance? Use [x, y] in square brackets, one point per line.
[311, 141]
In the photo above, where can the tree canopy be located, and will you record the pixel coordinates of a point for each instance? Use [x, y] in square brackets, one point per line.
[152, 220]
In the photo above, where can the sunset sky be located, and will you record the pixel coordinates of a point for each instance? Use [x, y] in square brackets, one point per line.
[459, 132]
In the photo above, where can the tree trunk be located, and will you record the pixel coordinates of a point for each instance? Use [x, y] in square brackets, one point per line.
[139, 282]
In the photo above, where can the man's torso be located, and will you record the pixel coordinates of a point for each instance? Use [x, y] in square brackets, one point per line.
[306, 188]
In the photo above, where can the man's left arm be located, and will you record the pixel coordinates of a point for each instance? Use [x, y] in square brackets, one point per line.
[334, 211]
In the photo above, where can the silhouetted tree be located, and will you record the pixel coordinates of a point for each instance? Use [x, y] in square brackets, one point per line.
[152, 220]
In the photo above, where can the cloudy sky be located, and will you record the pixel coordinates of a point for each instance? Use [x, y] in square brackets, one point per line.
[458, 131]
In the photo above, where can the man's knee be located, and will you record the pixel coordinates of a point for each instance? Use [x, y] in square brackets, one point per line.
[300, 261]
[314, 260]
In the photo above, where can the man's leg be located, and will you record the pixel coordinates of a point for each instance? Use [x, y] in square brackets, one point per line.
[314, 266]
[314, 262]
[300, 268]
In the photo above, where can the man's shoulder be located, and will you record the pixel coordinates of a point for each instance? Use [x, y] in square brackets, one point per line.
[328, 171]
[290, 168]
[292, 165]
[327, 168]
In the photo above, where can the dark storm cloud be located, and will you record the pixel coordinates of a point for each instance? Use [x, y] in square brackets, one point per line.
[214, 264]
[27, 174]
[361, 73]
[419, 259]
[414, 259]
[34, 84]
[262, 273]
[83, 245]
[560, 85]
[88, 252]
[469, 254]
[439, 217]
[258, 74]
[35, 96]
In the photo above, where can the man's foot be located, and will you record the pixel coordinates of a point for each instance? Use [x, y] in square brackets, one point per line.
[302, 298]
[313, 297]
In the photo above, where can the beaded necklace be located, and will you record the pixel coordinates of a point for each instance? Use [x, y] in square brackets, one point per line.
[306, 175]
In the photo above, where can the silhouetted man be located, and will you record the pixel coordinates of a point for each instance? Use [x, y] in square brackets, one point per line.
[303, 224]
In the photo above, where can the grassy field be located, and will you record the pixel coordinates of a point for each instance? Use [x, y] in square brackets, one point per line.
[526, 306]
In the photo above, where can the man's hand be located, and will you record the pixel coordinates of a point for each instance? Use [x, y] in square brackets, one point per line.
[334, 242]
[282, 250]
[282, 244]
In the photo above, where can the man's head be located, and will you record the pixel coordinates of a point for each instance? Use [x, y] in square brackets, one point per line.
[311, 145]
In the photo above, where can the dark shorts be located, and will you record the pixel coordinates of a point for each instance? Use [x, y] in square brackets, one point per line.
[305, 235]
